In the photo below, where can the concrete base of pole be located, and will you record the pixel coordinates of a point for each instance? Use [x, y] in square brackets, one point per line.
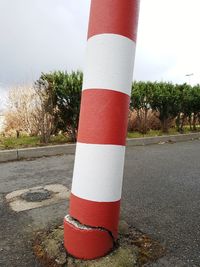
[133, 248]
[84, 242]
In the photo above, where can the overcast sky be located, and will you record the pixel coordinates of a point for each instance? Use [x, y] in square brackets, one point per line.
[46, 35]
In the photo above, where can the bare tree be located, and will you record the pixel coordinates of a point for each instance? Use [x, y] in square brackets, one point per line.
[19, 109]
[45, 110]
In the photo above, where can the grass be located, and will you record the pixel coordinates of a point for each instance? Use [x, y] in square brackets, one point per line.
[151, 133]
[34, 141]
[23, 141]
[29, 141]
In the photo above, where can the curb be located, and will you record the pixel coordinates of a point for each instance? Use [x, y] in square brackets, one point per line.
[160, 139]
[8, 155]
[37, 152]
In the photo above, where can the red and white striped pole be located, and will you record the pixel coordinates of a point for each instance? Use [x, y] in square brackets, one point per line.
[90, 229]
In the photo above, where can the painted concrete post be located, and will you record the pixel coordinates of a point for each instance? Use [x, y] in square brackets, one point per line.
[90, 229]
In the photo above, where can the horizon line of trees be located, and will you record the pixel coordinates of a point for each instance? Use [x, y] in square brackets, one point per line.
[52, 105]
[179, 103]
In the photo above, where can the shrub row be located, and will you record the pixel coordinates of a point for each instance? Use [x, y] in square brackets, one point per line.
[52, 105]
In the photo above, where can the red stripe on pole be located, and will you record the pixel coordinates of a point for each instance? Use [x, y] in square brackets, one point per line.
[97, 214]
[114, 16]
[103, 117]
[102, 129]
[86, 244]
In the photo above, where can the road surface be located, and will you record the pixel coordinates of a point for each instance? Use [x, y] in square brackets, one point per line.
[161, 197]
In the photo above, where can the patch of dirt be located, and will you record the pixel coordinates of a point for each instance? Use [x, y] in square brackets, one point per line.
[133, 248]
[149, 250]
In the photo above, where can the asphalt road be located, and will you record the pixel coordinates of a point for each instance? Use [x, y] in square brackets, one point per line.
[161, 197]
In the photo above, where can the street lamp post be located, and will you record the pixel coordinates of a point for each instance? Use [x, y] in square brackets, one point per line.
[189, 77]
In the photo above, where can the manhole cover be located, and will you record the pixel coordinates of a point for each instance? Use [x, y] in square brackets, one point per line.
[36, 195]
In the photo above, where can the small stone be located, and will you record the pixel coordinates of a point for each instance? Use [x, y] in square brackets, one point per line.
[51, 247]
[57, 234]
[161, 143]
[70, 262]
[61, 259]
[123, 227]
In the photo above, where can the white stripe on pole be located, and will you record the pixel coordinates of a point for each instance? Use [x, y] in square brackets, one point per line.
[110, 61]
[98, 172]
